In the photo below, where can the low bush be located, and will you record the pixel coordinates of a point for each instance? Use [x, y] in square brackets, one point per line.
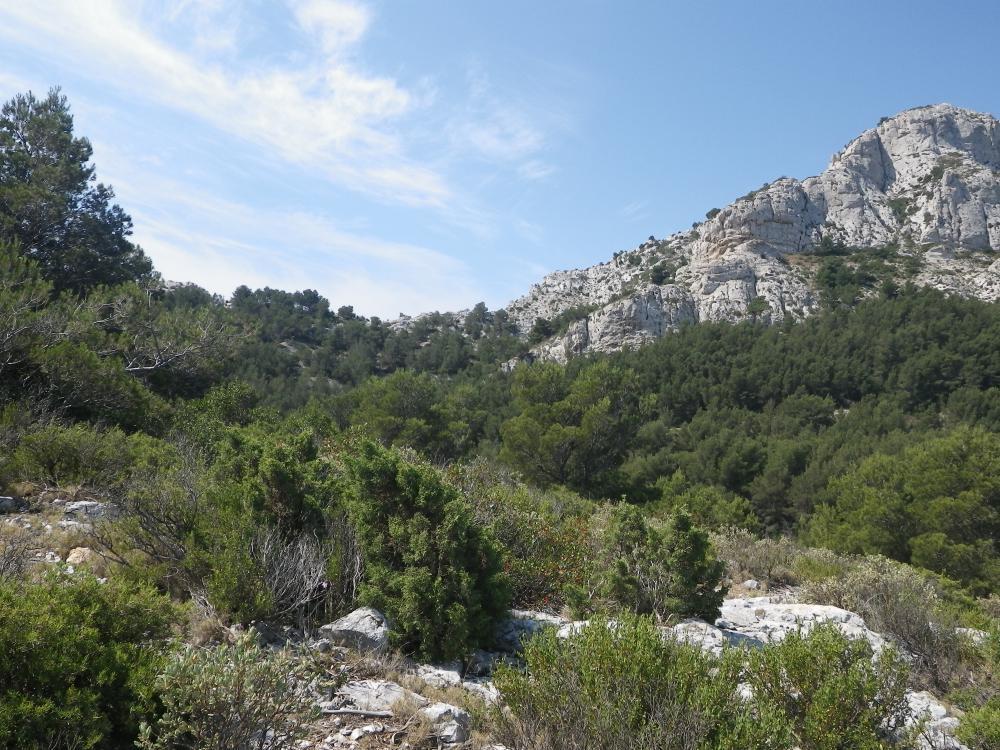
[428, 565]
[900, 602]
[618, 685]
[543, 535]
[15, 544]
[980, 727]
[834, 692]
[230, 697]
[746, 555]
[78, 660]
[666, 572]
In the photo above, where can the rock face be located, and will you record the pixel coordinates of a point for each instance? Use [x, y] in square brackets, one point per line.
[923, 185]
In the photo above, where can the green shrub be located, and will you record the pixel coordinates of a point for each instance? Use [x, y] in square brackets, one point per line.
[665, 572]
[543, 549]
[900, 602]
[428, 566]
[78, 454]
[618, 685]
[229, 697]
[980, 727]
[835, 693]
[77, 661]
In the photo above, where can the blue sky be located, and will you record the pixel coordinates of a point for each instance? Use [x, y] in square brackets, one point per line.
[412, 155]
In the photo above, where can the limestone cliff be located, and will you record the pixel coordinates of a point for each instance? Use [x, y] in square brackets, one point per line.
[922, 189]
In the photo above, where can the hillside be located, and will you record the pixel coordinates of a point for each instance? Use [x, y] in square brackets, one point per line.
[914, 200]
[267, 522]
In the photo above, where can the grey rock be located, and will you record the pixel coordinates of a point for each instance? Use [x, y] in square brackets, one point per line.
[86, 508]
[511, 633]
[364, 629]
[450, 723]
[375, 695]
[11, 505]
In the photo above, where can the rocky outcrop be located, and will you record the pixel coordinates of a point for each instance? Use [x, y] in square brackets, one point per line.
[924, 185]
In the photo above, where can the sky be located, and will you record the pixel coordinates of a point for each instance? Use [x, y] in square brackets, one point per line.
[403, 156]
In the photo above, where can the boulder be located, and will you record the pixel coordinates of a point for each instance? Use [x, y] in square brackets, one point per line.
[81, 556]
[86, 509]
[450, 723]
[364, 629]
[937, 728]
[11, 504]
[512, 632]
[374, 695]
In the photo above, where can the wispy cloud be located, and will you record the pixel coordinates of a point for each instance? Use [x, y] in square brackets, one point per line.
[500, 130]
[322, 113]
[223, 243]
[635, 210]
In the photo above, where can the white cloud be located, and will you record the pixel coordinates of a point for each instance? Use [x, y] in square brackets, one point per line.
[324, 114]
[337, 24]
[192, 235]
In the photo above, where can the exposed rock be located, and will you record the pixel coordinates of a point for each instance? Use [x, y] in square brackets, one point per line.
[86, 509]
[11, 505]
[763, 620]
[450, 723]
[925, 182]
[374, 695]
[451, 676]
[81, 556]
[511, 632]
[937, 728]
[364, 629]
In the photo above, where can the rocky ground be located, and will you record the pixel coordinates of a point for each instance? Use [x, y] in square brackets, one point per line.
[374, 699]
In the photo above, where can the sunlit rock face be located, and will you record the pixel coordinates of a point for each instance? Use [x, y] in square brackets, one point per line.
[923, 186]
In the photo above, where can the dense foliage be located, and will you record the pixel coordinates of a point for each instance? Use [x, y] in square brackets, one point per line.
[77, 661]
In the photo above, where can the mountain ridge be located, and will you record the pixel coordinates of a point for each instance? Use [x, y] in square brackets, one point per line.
[922, 188]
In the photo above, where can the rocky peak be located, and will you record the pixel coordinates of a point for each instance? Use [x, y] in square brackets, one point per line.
[923, 187]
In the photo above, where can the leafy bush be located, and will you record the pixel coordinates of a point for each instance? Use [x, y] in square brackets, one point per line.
[230, 697]
[543, 537]
[665, 572]
[78, 454]
[620, 684]
[835, 693]
[77, 661]
[980, 727]
[428, 566]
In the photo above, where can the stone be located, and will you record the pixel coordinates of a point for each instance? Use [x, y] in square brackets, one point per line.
[751, 584]
[364, 629]
[85, 508]
[450, 723]
[937, 728]
[11, 504]
[522, 624]
[81, 556]
[375, 695]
